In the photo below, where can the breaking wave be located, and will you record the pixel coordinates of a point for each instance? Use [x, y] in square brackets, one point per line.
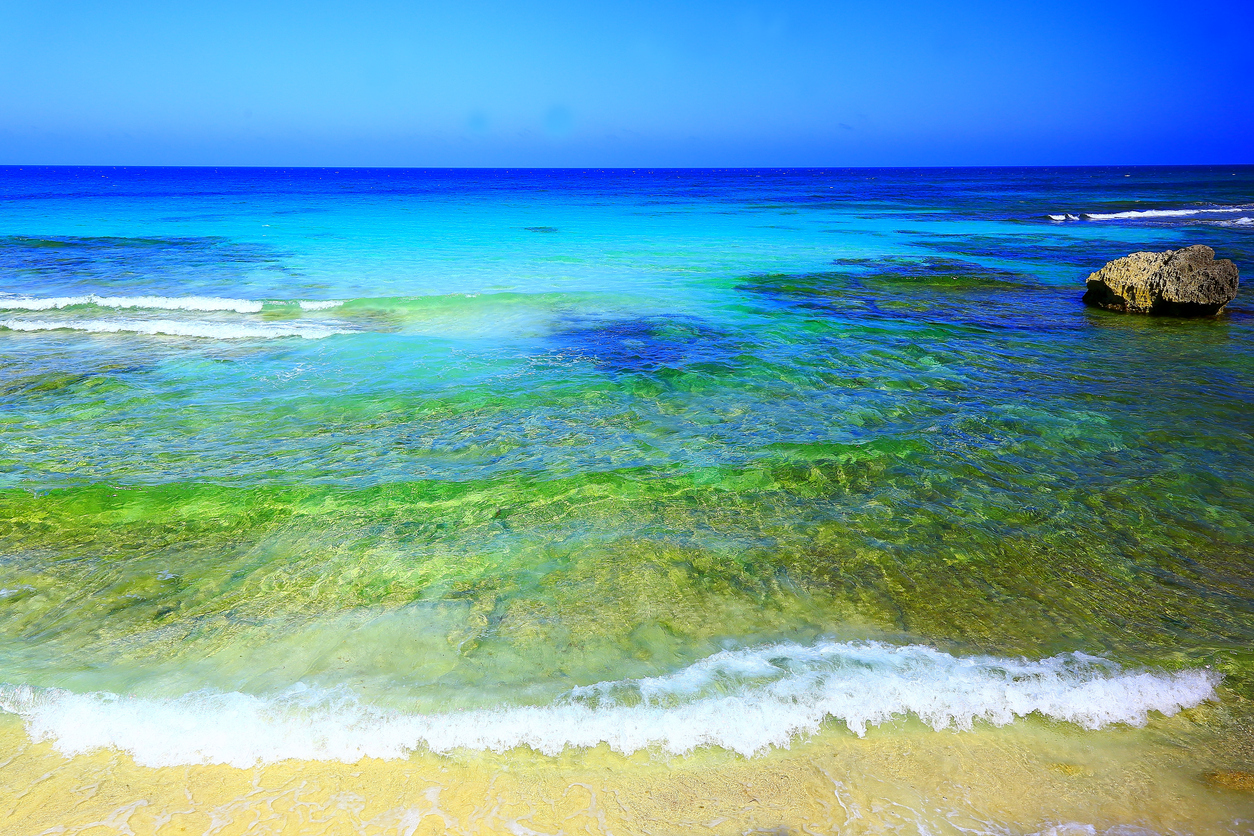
[746, 701]
[179, 328]
[1211, 214]
[208, 304]
[164, 303]
[1162, 213]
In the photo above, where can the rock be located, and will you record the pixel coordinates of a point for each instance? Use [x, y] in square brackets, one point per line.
[1231, 779]
[1187, 282]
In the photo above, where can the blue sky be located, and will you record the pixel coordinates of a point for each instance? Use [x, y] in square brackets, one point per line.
[625, 84]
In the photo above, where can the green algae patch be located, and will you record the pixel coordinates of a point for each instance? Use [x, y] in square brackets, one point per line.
[595, 570]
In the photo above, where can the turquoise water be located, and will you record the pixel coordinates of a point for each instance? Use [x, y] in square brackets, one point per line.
[606, 458]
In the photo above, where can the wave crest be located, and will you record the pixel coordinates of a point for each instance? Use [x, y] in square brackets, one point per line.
[164, 303]
[746, 701]
[177, 328]
[1211, 214]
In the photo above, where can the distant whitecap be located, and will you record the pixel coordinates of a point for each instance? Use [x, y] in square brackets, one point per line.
[166, 303]
[177, 328]
[1161, 213]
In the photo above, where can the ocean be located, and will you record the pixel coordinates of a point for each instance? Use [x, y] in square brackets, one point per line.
[625, 501]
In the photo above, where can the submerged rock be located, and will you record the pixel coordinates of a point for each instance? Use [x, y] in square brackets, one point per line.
[1231, 779]
[1187, 282]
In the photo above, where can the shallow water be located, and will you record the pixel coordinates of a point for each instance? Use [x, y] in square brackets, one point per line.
[675, 501]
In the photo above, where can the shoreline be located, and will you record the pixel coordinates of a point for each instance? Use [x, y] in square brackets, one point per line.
[1027, 778]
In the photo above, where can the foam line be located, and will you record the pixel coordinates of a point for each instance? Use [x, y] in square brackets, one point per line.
[1160, 213]
[746, 701]
[177, 328]
[165, 303]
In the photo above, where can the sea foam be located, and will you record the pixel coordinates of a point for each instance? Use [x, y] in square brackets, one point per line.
[746, 701]
[178, 328]
[165, 303]
[1161, 213]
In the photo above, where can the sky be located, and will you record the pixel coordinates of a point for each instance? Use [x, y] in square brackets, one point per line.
[625, 84]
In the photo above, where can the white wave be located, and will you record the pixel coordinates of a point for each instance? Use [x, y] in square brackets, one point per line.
[322, 305]
[746, 701]
[1231, 222]
[177, 328]
[1066, 217]
[1162, 213]
[165, 303]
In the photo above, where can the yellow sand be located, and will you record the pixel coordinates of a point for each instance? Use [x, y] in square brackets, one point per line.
[1027, 778]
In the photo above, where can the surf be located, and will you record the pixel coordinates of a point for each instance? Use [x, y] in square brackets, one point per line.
[178, 328]
[745, 701]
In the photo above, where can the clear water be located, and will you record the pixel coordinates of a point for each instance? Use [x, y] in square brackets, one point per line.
[639, 473]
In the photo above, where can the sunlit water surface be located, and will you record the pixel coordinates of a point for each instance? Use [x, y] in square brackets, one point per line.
[628, 502]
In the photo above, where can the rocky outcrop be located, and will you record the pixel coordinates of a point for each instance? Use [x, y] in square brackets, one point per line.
[1187, 282]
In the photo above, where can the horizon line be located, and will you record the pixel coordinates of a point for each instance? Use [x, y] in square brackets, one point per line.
[627, 168]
